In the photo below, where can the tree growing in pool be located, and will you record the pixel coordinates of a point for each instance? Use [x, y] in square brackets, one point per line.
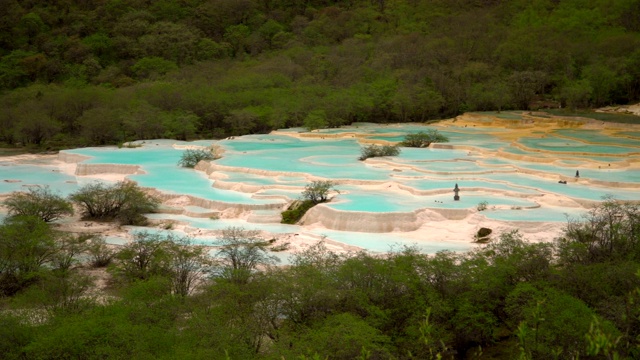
[191, 157]
[423, 138]
[374, 150]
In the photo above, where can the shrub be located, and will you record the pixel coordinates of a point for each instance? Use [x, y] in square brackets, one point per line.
[38, 201]
[123, 201]
[316, 119]
[241, 253]
[101, 255]
[373, 150]
[482, 206]
[191, 157]
[423, 139]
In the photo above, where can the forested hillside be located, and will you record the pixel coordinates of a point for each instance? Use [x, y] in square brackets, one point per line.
[80, 72]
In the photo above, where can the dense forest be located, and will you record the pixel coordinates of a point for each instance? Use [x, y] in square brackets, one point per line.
[91, 72]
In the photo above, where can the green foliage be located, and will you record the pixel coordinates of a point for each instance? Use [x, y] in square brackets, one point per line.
[318, 191]
[423, 139]
[241, 253]
[315, 120]
[314, 65]
[40, 202]
[142, 259]
[342, 336]
[373, 150]
[296, 211]
[508, 298]
[123, 201]
[152, 67]
[608, 233]
[177, 260]
[191, 157]
[27, 245]
[100, 253]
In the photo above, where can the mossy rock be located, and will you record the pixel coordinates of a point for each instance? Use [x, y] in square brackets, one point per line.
[296, 211]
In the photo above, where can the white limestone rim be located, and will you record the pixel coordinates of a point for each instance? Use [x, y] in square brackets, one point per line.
[378, 222]
[211, 167]
[67, 157]
[95, 169]
[216, 205]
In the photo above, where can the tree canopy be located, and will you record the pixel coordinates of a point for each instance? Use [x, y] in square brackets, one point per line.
[510, 298]
[73, 75]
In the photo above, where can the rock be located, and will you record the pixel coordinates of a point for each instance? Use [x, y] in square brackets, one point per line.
[482, 235]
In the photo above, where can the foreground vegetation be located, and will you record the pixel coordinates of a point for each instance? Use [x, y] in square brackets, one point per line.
[574, 298]
[74, 74]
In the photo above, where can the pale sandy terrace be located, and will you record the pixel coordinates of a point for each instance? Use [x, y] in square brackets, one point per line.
[429, 226]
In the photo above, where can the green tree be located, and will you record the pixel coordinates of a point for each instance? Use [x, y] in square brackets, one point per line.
[318, 191]
[524, 85]
[123, 201]
[180, 125]
[191, 157]
[145, 257]
[153, 67]
[27, 244]
[340, 336]
[38, 201]
[101, 125]
[236, 36]
[609, 232]
[189, 265]
[423, 139]
[576, 94]
[374, 150]
[602, 81]
[316, 119]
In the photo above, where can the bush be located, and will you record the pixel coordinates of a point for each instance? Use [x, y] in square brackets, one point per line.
[423, 139]
[145, 257]
[100, 254]
[482, 206]
[607, 234]
[241, 253]
[40, 202]
[124, 202]
[373, 150]
[191, 157]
